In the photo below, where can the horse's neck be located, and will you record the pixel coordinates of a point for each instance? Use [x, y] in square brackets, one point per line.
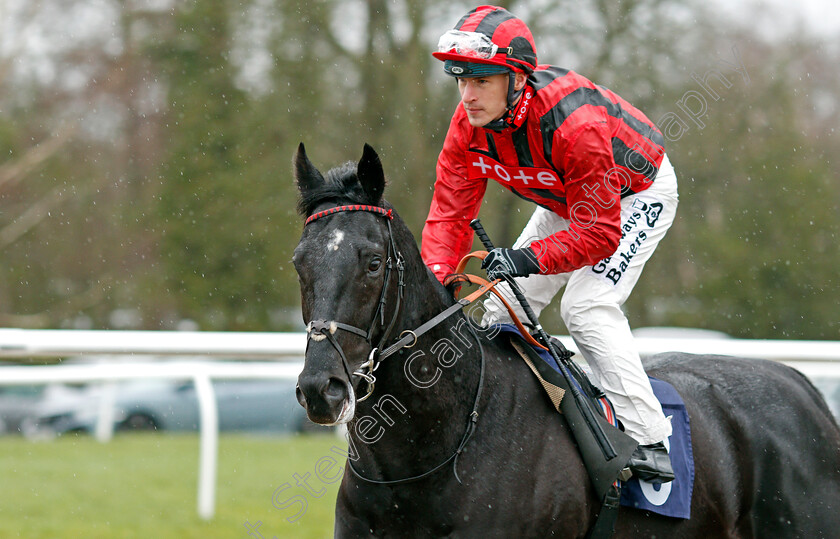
[418, 414]
[424, 394]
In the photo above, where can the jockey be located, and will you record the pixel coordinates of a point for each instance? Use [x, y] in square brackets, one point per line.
[605, 192]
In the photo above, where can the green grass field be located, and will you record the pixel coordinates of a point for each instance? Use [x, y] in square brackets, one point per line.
[145, 486]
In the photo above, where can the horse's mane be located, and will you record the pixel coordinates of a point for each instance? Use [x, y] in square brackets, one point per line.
[341, 185]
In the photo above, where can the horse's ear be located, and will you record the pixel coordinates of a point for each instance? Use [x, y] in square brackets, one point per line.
[306, 175]
[371, 176]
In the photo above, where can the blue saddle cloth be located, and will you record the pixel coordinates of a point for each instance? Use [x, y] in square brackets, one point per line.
[669, 499]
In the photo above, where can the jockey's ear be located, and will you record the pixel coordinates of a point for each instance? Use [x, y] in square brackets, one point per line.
[371, 175]
[519, 81]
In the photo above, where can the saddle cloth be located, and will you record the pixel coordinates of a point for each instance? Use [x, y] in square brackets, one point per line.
[668, 499]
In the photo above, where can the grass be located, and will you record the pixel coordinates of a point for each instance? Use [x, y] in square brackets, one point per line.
[145, 486]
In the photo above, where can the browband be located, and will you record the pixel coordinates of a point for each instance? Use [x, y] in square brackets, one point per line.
[353, 207]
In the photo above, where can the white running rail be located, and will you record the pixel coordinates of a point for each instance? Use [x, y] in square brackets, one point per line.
[285, 350]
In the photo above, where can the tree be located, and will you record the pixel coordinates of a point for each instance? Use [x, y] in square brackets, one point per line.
[148, 175]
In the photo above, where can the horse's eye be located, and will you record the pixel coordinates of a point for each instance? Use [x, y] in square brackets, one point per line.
[375, 264]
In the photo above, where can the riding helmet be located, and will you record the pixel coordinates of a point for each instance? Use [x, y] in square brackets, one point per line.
[486, 41]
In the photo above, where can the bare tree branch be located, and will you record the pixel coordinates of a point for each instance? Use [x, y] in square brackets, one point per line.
[29, 219]
[17, 170]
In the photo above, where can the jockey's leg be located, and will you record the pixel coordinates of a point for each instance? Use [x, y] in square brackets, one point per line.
[602, 334]
[591, 304]
[591, 309]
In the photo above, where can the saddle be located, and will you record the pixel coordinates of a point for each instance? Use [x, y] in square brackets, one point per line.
[533, 357]
[603, 470]
[670, 499]
[673, 499]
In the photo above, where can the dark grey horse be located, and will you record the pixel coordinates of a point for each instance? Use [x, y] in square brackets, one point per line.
[457, 438]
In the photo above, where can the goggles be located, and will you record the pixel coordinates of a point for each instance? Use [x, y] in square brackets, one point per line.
[468, 44]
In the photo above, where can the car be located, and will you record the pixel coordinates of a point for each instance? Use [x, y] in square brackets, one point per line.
[17, 402]
[250, 405]
[830, 388]
[672, 332]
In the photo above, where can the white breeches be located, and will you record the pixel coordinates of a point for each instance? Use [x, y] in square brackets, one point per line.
[591, 303]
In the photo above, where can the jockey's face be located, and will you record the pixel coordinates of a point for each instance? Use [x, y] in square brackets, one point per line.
[485, 98]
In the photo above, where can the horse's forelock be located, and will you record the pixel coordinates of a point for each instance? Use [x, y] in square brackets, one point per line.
[341, 186]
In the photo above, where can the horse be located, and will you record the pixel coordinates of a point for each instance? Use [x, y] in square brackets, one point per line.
[450, 435]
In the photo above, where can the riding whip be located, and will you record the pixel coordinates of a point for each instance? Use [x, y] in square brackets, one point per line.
[603, 441]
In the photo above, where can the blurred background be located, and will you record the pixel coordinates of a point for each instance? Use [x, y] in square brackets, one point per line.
[145, 179]
[145, 183]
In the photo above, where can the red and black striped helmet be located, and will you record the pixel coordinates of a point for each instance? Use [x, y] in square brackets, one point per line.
[489, 36]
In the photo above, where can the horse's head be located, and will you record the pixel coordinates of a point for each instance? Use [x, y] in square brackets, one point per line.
[347, 266]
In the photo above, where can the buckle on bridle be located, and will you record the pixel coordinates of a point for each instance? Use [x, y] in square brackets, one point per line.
[410, 332]
[371, 365]
[319, 330]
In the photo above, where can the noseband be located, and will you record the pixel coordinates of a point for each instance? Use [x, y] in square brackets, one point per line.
[323, 329]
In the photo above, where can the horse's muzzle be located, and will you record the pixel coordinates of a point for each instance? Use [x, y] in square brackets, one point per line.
[327, 400]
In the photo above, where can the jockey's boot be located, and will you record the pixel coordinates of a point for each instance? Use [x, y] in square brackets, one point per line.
[652, 463]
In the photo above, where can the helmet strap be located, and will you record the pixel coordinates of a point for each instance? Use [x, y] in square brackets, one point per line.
[512, 95]
[512, 98]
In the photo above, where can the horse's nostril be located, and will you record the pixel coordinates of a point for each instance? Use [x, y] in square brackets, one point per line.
[336, 389]
[324, 399]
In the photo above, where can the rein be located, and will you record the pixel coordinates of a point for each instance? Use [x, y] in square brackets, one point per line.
[322, 329]
[471, 423]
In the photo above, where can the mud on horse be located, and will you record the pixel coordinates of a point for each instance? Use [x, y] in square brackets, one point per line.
[455, 437]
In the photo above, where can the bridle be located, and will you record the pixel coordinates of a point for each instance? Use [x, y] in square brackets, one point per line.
[320, 329]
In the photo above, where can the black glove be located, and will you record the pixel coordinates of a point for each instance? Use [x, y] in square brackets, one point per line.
[501, 262]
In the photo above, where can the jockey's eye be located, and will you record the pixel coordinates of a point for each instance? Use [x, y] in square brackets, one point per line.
[375, 264]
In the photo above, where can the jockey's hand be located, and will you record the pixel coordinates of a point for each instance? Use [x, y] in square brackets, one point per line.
[501, 262]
